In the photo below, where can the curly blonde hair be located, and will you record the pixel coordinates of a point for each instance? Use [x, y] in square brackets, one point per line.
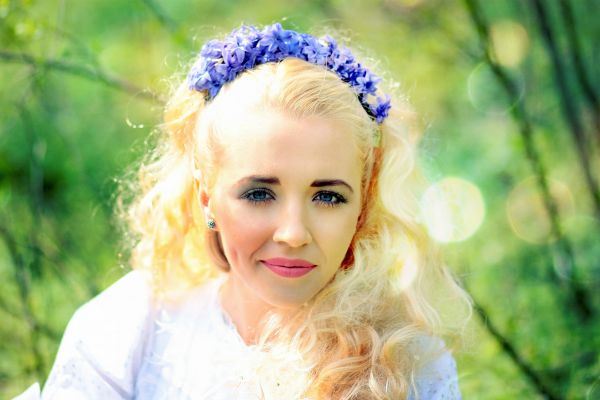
[356, 338]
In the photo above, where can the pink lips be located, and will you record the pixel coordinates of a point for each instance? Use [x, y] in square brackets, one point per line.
[289, 268]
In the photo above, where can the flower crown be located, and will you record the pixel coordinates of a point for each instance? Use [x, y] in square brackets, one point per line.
[246, 47]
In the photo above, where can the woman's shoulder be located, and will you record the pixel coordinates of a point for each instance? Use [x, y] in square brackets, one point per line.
[103, 342]
[131, 292]
[117, 315]
[436, 375]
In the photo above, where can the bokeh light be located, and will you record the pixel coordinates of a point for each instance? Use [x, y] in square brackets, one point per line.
[453, 209]
[487, 95]
[510, 43]
[526, 211]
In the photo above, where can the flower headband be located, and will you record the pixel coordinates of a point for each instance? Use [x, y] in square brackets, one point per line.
[246, 47]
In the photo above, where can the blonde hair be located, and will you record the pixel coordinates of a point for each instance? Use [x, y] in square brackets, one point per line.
[356, 337]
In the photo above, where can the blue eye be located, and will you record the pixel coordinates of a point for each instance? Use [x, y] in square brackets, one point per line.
[263, 196]
[255, 196]
[331, 199]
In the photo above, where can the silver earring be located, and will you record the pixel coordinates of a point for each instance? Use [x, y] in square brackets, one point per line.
[211, 223]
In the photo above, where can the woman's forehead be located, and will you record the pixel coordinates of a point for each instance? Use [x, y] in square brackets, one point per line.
[272, 143]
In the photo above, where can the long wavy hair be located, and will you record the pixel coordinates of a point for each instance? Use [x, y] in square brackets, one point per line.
[356, 339]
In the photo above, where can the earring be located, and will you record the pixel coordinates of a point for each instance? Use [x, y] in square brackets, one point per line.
[211, 223]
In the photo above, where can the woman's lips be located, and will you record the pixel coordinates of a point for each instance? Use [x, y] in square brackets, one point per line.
[289, 262]
[293, 269]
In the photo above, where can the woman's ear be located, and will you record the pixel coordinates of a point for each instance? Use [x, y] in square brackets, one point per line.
[205, 203]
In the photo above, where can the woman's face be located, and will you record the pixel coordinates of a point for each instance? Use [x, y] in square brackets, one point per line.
[287, 188]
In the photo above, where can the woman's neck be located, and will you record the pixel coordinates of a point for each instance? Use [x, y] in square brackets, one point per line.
[244, 308]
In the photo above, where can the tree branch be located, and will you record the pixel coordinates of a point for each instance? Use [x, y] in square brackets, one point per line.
[22, 280]
[511, 351]
[43, 328]
[582, 75]
[568, 106]
[564, 249]
[83, 71]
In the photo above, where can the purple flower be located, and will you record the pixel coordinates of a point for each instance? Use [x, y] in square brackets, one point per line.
[246, 47]
[341, 58]
[211, 49]
[279, 43]
[315, 51]
[367, 83]
[330, 43]
[381, 108]
[233, 56]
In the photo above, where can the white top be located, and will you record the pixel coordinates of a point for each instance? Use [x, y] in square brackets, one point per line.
[118, 346]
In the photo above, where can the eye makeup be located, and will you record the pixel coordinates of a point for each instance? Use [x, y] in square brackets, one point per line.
[251, 196]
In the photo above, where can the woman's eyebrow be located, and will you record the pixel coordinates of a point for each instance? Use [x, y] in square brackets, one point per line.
[275, 181]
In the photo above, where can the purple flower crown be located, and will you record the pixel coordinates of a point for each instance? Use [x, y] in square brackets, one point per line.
[246, 47]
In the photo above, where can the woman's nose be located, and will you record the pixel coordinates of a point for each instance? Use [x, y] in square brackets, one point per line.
[292, 228]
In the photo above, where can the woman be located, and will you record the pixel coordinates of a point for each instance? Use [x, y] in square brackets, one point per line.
[277, 248]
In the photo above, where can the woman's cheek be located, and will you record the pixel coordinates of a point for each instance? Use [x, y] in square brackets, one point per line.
[333, 234]
[243, 232]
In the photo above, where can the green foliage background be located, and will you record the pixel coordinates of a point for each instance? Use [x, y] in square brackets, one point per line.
[81, 87]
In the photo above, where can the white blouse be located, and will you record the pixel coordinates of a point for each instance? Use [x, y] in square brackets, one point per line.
[119, 346]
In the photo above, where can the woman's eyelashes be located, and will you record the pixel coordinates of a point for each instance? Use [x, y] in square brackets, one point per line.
[263, 196]
[336, 198]
[256, 196]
